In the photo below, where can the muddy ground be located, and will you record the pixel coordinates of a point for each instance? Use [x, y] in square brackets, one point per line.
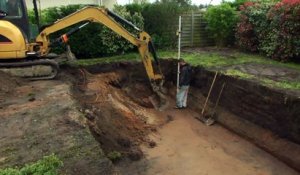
[85, 115]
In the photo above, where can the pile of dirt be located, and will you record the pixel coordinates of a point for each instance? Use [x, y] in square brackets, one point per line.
[8, 83]
[114, 105]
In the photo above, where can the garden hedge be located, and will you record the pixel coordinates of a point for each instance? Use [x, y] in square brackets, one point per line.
[271, 28]
[221, 20]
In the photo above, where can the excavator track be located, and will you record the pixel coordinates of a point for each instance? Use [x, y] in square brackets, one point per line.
[32, 65]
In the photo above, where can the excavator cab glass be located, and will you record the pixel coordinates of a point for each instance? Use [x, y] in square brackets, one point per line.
[12, 8]
[15, 12]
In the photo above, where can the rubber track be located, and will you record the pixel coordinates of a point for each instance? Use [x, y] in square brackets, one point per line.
[45, 62]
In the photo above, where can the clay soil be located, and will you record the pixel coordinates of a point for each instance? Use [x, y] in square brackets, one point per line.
[85, 115]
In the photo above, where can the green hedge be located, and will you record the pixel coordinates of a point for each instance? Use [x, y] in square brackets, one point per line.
[221, 21]
[95, 40]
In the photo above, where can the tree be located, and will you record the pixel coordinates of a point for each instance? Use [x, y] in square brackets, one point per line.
[179, 2]
[140, 1]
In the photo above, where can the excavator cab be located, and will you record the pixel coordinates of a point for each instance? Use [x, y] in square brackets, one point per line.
[15, 12]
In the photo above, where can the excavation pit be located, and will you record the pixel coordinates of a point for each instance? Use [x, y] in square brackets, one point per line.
[119, 93]
[93, 113]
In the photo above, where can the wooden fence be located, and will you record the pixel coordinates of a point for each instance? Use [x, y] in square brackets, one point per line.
[194, 32]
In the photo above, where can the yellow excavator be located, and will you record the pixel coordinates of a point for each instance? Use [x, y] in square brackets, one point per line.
[17, 52]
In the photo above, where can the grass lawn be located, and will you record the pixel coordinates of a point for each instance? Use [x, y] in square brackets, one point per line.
[212, 60]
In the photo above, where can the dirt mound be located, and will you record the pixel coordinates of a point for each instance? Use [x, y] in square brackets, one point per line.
[116, 119]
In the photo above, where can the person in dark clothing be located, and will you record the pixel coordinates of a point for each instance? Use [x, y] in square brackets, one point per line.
[184, 84]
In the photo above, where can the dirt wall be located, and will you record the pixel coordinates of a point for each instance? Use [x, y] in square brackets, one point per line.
[272, 109]
[267, 117]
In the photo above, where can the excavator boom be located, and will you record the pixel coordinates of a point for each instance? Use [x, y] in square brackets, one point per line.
[110, 20]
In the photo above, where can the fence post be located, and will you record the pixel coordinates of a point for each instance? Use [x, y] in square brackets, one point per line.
[193, 23]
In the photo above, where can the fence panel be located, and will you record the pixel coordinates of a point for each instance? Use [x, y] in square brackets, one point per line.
[194, 33]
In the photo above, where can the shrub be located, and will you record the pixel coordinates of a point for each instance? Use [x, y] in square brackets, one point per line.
[282, 41]
[236, 4]
[160, 20]
[273, 29]
[252, 26]
[48, 165]
[221, 21]
[94, 40]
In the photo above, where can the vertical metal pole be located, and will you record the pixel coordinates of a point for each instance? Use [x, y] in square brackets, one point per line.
[179, 52]
[193, 27]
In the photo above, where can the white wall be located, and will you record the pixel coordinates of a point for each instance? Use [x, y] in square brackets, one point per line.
[51, 3]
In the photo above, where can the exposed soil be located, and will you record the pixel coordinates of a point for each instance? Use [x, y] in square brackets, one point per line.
[114, 105]
[8, 84]
[86, 114]
[40, 118]
[186, 146]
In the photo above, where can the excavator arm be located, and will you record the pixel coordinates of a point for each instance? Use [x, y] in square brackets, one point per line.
[112, 21]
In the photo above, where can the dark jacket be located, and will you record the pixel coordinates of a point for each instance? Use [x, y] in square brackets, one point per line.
[185, 75]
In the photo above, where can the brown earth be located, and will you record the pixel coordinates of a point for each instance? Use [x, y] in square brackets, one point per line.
[116, 119]
[8, 83]
[186, 146]
[70, 116]
[40, 118]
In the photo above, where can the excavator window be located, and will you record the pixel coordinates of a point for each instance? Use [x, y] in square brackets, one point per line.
[13, 8]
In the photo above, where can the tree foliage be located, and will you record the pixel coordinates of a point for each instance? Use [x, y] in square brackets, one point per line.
[160, 19]
[221, 21]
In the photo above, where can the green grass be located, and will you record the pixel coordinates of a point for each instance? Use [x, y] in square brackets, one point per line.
[118, 58]
[211, 60]
[237, 73]
[265, 81]
[207, 60]
[114, 156]
[281, 84]
[47, 165]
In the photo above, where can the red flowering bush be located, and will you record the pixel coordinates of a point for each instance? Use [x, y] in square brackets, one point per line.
[283, 39]
[273, 29]
[252, 25]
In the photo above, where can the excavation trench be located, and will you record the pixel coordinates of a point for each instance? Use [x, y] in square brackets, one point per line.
[115, 100]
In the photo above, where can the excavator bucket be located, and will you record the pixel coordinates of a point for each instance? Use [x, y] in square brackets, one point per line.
[159, 100]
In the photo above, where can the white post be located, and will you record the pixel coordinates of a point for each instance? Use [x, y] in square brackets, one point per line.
[179, 50]
[100, 2]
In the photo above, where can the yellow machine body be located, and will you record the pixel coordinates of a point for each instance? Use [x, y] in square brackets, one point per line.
[13, 44]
